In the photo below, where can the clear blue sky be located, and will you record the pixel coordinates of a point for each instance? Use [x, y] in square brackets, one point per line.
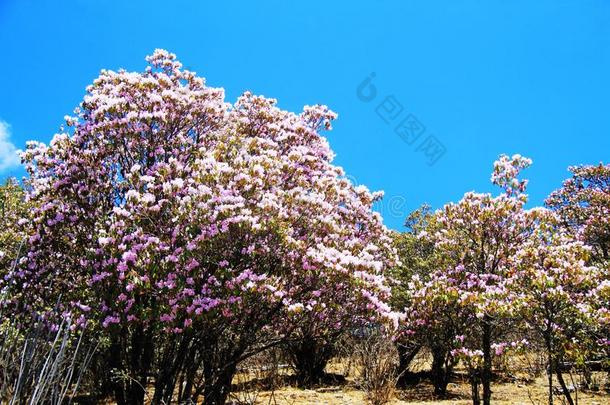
[483, 77]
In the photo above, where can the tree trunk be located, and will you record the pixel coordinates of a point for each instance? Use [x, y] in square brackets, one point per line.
[141, 361]
[406, 354]
[309, 357]
[117, 385]
[549, 349]
[474, 385]
[550, 377]
[440, 371]
[564, 388]
[218, 385]
[169, 367]
[135, 393]
[189, 380]
[486, 373]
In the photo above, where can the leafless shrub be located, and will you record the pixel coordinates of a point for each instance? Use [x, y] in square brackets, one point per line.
[41, 366]
[345, 354]
[377, 358]
[255, 375]
[532, 363]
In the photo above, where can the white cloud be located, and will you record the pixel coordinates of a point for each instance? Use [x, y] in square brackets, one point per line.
[8, 152]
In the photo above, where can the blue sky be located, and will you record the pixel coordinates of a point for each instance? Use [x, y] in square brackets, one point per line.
[481, 78]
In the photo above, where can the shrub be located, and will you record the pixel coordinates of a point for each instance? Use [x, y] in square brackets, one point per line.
[377, 358]
[42, 366]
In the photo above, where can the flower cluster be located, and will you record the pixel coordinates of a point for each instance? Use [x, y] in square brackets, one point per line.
[12, 237]
[506, 171]
[583, 204]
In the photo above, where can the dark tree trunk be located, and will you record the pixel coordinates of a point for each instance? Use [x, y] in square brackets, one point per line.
[562, 384]
[106, 386]
[550, 378]
[309, 358]
[116, 385]
[189, 384]
[441, 371]
[406, 354]
[474, 385]
[135, 393]
[141, 361]
[173, 361]
[486, 372]
[549, 349]
[218, 385]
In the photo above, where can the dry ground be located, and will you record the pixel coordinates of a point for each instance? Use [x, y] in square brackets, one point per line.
[421, 394]
[507, 392]
[534, 392]
[503, 393]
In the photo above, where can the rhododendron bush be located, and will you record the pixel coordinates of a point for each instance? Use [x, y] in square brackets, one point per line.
[193, 232]
[495, 270]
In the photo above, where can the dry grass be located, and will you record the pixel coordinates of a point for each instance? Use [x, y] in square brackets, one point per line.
[504, 392]
[266, 386]
[420, 394]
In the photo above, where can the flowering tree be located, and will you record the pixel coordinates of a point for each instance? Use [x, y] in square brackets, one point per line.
[427, 321]
[583, 204]
[320, 325]
[416, 255]
[319, 330]
[436, 320]
[190, 230]
[12, 208]
[554, 284]
[600, 295]
[477, 237]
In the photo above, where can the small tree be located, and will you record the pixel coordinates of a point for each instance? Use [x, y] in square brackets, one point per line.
[431, 320]
[416, 258]
[478, 236]
[435, 318]
[583, 206]
[555, 285]
[377, 360]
